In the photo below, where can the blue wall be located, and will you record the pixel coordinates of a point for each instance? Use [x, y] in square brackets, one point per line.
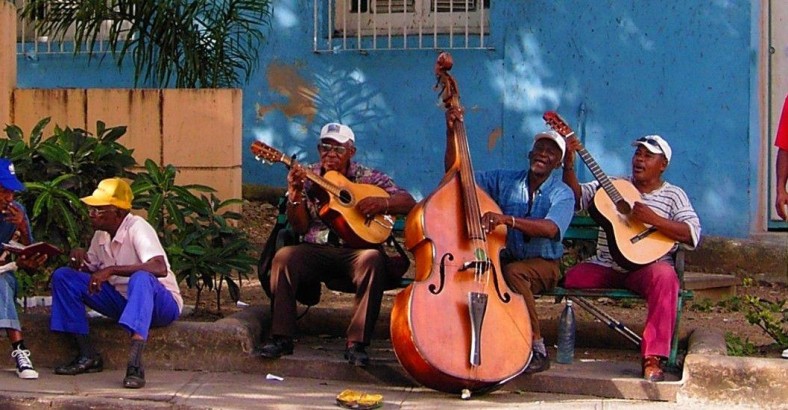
[615, 69]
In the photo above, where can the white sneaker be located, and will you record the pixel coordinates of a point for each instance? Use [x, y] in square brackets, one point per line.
[785, 354]
[24, 367]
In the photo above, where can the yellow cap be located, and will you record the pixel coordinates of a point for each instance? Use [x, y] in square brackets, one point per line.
[111, 191]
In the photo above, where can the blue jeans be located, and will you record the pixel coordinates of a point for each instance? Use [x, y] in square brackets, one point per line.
[149, 303]
[9, 319]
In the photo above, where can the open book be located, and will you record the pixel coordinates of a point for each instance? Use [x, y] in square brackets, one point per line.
[32, 249]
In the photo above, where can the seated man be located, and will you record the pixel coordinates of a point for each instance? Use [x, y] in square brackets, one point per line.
[666, 208]
[14, 226]
[537, 207]
[124, 275]
[324, 256]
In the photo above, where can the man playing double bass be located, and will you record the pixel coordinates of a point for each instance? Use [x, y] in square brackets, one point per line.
[537, 207]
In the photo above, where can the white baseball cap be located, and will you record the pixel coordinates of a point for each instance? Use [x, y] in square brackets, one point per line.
[655, 144]
[337, 132]
[554, 136]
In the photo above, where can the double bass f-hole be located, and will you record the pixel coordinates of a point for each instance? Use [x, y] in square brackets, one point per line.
[479, 266]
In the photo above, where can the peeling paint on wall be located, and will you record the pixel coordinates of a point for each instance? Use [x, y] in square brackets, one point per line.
[299, 92]
[493, 138]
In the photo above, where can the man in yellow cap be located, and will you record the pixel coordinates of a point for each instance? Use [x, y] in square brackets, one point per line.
[124, 275]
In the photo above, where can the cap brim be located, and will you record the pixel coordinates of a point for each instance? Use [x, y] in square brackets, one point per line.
[93, 201]
[651, 148]
[12, 184]
[334, 137]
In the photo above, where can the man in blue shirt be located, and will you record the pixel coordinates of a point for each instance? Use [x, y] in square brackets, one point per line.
[537, 207]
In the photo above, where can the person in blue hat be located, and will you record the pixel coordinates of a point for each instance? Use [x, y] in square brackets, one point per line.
[14, 226]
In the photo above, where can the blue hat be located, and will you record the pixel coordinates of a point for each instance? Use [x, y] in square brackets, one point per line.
[8, 176]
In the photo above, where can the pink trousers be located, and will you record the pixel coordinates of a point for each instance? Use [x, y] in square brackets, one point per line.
[657, 283]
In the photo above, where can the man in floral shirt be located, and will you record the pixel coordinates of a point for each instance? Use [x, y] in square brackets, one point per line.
[324, 256]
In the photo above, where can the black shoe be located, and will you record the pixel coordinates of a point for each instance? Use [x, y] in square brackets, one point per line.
[539, 363]
[276, 348]
[356, 355]
[135, 378]
[81, 364]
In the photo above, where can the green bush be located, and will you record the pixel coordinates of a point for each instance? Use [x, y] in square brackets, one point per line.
[204, 248]
[60, 169]
[770, 316]
[738, 347]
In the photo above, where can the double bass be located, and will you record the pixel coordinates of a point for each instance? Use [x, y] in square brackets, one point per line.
[458, 327]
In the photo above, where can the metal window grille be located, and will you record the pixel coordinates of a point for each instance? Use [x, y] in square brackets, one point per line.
[31, 41]
[366, 25]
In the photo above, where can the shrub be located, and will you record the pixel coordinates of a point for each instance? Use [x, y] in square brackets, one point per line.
[203, 247]
[58, 170]
[770, 316]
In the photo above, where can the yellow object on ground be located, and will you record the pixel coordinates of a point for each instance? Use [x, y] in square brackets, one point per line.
[351, 399]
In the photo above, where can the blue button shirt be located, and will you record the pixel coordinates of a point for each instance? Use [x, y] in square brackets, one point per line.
[553, 201]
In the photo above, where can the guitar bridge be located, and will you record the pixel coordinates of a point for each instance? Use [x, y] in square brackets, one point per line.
[643, 235]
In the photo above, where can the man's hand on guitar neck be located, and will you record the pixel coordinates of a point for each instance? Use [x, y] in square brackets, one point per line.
[295, 182]
[569, 176]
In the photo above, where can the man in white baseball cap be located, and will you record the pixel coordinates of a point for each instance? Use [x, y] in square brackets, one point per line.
[661, 205]
[328, 254]
[536, 207]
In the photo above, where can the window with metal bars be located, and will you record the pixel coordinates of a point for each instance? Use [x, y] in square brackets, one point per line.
[399, 24]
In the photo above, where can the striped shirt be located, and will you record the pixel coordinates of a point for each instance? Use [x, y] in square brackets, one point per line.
[668, 201]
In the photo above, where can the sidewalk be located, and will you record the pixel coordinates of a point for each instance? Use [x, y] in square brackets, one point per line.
[210, 365]
[205, 390]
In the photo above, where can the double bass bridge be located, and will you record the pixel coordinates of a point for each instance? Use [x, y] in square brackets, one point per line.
[480, 266]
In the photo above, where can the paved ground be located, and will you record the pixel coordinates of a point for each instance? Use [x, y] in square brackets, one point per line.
[206, 390]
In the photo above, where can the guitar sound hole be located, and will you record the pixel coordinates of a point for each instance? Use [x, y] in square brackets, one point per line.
[345, 197]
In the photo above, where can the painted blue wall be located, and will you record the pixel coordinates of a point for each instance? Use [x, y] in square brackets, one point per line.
[615, 69]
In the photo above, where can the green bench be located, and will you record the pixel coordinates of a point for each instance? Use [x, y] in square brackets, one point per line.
[581, 228]
[585, 228]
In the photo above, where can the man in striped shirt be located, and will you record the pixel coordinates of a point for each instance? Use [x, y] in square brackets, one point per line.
[667, 208]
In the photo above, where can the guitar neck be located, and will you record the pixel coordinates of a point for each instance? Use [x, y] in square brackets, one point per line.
[323, 183]
[600, 176]
[317, 179]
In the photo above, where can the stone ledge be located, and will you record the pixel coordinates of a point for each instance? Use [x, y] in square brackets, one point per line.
[712, 377]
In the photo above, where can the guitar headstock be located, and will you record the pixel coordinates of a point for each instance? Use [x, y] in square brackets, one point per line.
[268, 153]
[558, 124]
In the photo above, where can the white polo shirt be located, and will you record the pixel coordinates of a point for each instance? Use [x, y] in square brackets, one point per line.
[134, 243]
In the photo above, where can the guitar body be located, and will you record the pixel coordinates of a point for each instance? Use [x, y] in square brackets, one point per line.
[632, 245]
[340, 197]
[340, 213]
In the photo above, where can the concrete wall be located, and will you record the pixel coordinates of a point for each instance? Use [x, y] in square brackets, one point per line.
[7, 60]
[616, 69]
[197, 131]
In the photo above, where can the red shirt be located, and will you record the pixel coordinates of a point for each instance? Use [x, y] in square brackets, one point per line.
[782, 129]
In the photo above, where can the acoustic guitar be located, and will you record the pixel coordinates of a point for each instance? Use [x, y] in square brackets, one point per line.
[632, 243]
[339, 212]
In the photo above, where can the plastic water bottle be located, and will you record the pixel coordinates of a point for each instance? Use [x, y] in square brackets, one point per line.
[566, 335]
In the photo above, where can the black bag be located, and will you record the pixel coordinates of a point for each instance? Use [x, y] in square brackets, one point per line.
[277, 238]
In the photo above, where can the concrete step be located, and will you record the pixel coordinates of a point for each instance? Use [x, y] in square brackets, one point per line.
[712, 286]
[226, 346]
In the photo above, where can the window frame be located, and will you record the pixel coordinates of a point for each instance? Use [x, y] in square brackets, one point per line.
[422, 20]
